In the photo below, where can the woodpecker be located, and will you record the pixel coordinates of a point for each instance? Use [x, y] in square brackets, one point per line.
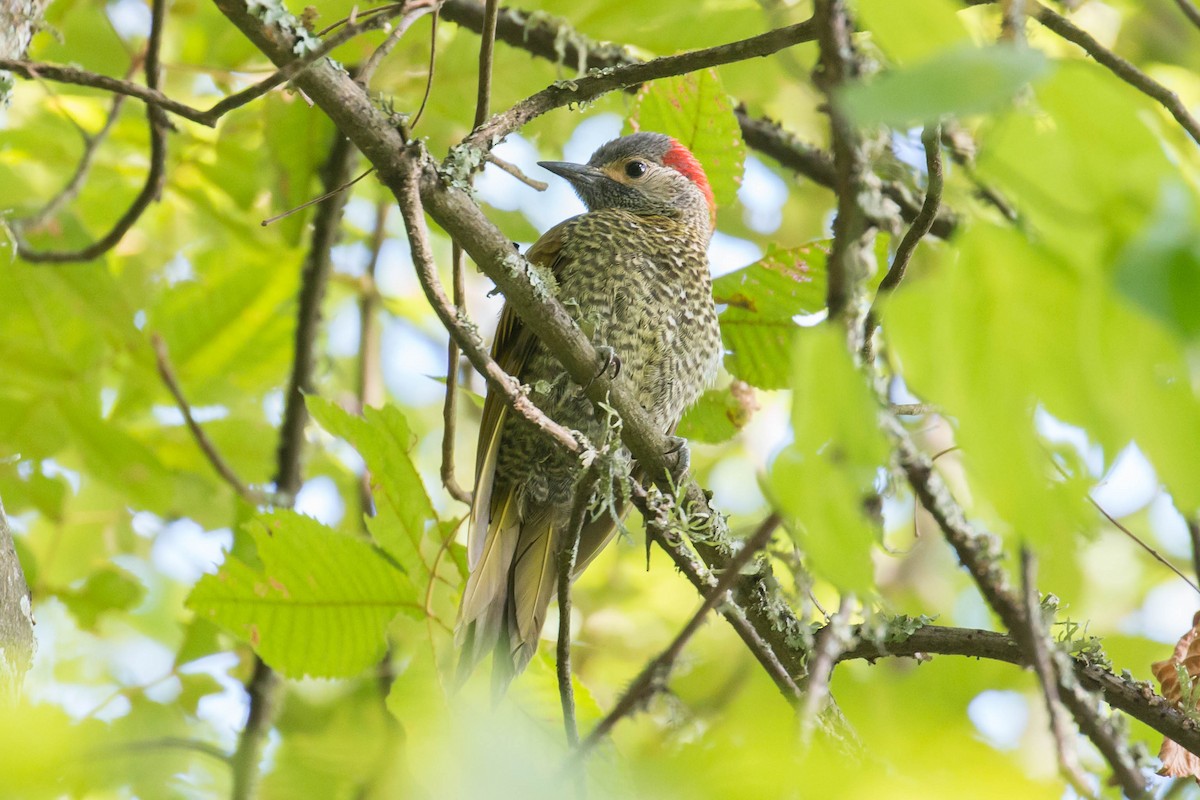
[633, 270]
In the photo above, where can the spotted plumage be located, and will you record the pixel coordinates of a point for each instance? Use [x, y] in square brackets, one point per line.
[634, 272]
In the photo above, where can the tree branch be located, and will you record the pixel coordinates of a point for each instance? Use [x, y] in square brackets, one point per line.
[849, 261]
[829, 643]
[979, 553]
[767, 618]
[589, 87]
[1190, 11]
[770, 139]
[702, 579]
[1036, 645]
[155, 178]
[462, 330]
[556, 41]
[653, 677]
[264, 685]
[1135, 698]
[92, 144]
[1125, 70]
[584, 490]
[218, 462]
[931, 139]
[370, 390]
[154, 98]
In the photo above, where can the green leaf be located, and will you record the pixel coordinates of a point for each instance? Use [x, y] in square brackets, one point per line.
[109, 589]
[967, 80]
[329, 744]
[758, 325]
[320, 604]
[49, 744]
[1007, 336]
[822, 482]
[1160, 269]
[405, 524]
[912, 30]
[1107, 179]
[694, 109]
[719, 414]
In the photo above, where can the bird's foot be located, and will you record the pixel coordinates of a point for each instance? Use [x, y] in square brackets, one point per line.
[678, 458]
[611, 361]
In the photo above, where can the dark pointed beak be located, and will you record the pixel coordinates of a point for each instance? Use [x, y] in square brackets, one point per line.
[577, 174]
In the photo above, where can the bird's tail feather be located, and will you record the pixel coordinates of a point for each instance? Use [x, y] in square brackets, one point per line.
[481, 617]
[533, 583]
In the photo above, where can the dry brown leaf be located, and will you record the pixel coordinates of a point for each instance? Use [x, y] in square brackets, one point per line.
[1179, 762]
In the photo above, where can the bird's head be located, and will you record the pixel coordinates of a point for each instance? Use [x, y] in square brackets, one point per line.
[644, 173]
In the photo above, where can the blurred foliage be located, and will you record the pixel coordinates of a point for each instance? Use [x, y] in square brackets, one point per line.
[1061, 350]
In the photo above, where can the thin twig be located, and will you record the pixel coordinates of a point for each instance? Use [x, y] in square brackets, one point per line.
[450, 401]
[357, 16]
[590, 87]
[1153, 553]
[165, 743]
[413, 13]
[156, 176]
[653, 677]
[1190, 11]
[515, 171]
[92, 144]
[315, 200]
[1193, 526]
[1034, 642]
[462, 331]
[567, 557]
[556, 41]
[830, 642]
[913, 409]
[1123, 69]
[1134, 537]
[150, 94]
[931, 139]
[979, 554]
[433, 26]
[264, 685]
[487, 47]
[218, 462]
[370, 364]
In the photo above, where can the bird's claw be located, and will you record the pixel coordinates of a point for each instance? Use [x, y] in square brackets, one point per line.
[611, 361]
[678, 458]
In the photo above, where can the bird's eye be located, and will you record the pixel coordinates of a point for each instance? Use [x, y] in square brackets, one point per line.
[635, 169]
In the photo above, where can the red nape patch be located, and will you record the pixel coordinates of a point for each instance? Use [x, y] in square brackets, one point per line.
[682, 161]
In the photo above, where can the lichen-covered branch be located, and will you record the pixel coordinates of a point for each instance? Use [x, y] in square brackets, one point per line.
[767, 616]
[556, 40]
[850, 255]
[591, 86]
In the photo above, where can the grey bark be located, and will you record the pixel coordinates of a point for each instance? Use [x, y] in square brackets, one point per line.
[19, 20]
[16, 616]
